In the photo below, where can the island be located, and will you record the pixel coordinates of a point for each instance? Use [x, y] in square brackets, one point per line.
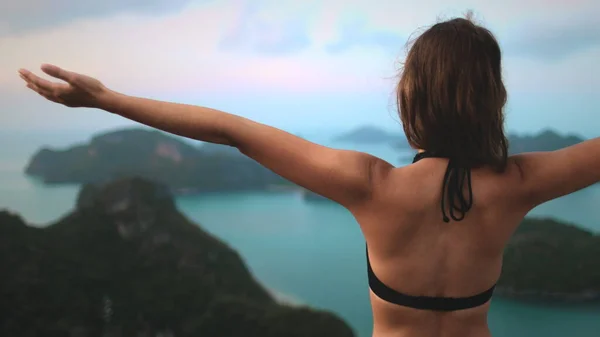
[126, 262]
[550, 261]
[369, 134]
[153, 155]
[545, 140]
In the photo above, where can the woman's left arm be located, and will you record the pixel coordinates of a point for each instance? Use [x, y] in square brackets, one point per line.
[347, 177]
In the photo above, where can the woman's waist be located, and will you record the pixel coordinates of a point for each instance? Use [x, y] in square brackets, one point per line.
[391, 320]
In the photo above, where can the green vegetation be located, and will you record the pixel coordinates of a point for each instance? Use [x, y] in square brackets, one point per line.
[549, 260]
[126, 262]
[156, 156]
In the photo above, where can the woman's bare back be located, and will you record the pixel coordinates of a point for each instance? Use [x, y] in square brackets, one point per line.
[413, 251]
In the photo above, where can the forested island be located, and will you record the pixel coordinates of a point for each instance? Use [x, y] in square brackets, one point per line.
[547, 260]
[153, 155]
[126, 262]
[546, 140]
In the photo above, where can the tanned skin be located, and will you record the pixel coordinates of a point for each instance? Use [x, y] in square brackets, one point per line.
[411, 249]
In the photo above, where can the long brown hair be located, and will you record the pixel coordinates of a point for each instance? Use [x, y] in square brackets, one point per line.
[451, 95]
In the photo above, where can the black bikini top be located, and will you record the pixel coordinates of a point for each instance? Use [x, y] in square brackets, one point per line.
[452, 188]
[454, 180]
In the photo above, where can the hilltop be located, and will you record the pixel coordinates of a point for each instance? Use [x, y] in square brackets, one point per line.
[126, 262]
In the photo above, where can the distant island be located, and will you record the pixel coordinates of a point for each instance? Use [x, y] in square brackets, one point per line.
[369, 135]
[546, 140]
[153, 155]
[547, 260]
[126, 262]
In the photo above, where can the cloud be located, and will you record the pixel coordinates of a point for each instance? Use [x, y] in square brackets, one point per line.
[539, 29]
[357, 34]
[298, 46]
[285, 27]
[556, 41]
[182, 53]
[17, 17]
[545, 30]
[283, 60]
[256, 32]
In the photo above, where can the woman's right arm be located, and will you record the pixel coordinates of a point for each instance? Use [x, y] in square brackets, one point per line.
[553, 174]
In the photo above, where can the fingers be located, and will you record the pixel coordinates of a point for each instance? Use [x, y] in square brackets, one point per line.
[39, 90]
[46, 94]
[39, 82]
[50, 91]
[57, 72]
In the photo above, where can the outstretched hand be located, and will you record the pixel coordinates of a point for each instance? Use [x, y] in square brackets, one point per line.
[78, 91]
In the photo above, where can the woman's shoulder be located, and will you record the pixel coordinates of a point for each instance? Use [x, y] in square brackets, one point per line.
[423, 181]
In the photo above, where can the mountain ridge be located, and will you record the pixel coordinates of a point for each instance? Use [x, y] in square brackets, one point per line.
[126, 262]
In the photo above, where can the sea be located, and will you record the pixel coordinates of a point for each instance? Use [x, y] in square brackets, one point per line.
[305, 253]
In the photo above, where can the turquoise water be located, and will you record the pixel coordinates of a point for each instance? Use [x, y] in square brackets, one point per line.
[313, 253]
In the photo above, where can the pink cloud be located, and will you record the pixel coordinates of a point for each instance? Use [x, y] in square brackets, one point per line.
[180, 52]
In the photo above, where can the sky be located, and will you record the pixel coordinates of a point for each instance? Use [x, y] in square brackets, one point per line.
[298, 65]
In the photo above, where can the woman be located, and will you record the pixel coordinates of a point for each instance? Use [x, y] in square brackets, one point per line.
[435, 229]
